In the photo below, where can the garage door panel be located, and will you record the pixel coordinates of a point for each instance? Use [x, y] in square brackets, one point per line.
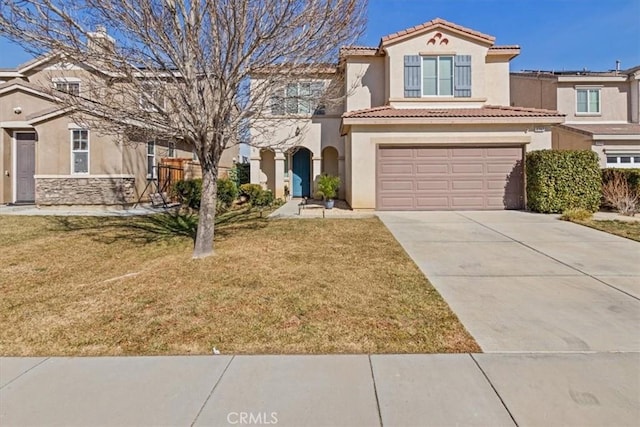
[397, 169]
[467, 168]
[431, 169]
[425, 178]
[510, 153]
[396, 185]
[436, 153]
[467, 202]
[467, 152]
[396, 153]
[400, 203]
[467, 185]
[501, 168]
[431, 202]
[497, 184]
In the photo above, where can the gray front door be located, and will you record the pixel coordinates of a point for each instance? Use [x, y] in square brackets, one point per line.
[25, 166]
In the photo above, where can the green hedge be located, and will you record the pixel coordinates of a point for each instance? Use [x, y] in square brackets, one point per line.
[632, 175]
[189, 192]
[561, 180]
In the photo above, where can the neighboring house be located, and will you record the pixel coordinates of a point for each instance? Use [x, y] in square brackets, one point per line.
[602, 110]
[425, 123]
[48, 159]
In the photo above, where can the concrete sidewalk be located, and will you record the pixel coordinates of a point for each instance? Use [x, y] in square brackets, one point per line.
[33, 210]
[572, 389]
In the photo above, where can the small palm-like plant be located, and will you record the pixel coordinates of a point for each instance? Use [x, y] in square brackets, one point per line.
[328, 186]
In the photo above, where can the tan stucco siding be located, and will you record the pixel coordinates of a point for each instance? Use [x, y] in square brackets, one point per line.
[361, 192]
[6, 190]
[314, 134]
[456, 46]
[27, 102]
[365, 83]
[613, 102]
[53, 150]
[533, 92]
[497, 82]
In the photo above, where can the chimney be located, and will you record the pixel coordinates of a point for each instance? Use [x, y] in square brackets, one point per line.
[100, 42]
[617, 66]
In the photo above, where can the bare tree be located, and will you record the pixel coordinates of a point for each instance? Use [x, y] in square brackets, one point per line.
[187, 63]
[620, 195]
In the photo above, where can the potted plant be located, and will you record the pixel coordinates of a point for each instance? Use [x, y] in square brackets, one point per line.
[328, 188]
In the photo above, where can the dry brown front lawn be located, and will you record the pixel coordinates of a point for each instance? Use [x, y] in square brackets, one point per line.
[112, 286]
[628, 229]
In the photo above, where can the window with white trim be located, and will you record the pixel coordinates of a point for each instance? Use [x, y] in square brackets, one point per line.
[151, 159]
[72, 88]
[152, 98]
[624, 160]
[79, 151]
[299, 98]
[437, 75]
[588, 101]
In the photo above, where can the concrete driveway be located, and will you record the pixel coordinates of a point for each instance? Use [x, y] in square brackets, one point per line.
[523, 282]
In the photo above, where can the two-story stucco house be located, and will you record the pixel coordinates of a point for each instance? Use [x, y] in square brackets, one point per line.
[425, 123]
[47, 158]
[602, 110]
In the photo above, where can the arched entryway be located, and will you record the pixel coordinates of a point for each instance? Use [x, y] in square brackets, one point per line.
[268, 169]
[330, 161]
[301, 169]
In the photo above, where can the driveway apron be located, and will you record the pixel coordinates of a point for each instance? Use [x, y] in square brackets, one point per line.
[523, 282]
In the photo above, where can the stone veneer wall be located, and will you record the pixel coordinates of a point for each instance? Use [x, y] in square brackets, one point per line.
[89, 190]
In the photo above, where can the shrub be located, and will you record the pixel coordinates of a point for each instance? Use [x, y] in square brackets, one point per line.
[189, 192]
[632, 176]
[263, 200]
[328, 186]
[562, 180]
[250, 191]
[576, 214]
[239, 173]
[619, 194]
[227, 192]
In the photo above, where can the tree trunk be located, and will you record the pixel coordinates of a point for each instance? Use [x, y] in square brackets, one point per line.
[207, 214]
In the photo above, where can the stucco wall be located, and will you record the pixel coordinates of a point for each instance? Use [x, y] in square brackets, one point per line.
[365, 139]
[27, 102]
[533, 92]
[365, 83]
[613, 102]
[497, 81]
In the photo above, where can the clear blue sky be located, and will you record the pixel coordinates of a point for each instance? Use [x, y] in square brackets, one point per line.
[553, 34]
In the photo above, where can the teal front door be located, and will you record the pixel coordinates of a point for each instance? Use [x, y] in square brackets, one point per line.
[301, 186]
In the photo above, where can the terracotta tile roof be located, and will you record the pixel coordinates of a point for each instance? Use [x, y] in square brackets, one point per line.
[605, 128]
[359, 51]
[505, 47]
[434, 23]
[486, 111]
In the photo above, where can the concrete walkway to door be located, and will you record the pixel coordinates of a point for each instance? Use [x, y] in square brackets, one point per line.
[523, 282]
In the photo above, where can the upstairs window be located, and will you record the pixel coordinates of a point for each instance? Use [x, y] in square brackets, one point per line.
[437, 76]
[79, 151]
[300, 98]
[588, 101]
[152, 98]
[433, 75]
[72, 88]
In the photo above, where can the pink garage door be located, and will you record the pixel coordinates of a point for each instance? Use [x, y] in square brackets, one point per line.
[442, 178]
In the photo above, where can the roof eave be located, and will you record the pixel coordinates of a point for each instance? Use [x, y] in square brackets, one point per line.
[549, 120]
